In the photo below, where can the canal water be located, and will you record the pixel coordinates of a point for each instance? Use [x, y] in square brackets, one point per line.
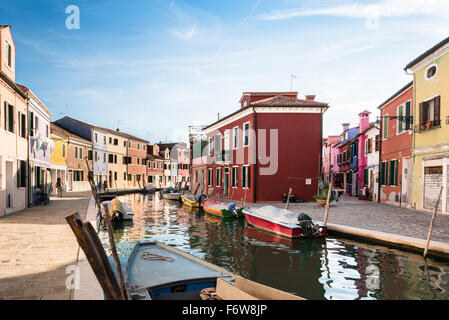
[329, 268]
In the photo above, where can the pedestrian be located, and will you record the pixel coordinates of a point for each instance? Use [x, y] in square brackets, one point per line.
[59, 187]
[105, 185]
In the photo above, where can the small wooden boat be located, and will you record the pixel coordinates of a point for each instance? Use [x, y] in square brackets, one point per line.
[171, 194]
[283, 222]
[156, 271]
[119, 210]
[190, 200]
[220, 209]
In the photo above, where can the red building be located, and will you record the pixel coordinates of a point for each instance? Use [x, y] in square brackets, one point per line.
[396, 154]
[155, 166]
[272, 143]
[137, 158]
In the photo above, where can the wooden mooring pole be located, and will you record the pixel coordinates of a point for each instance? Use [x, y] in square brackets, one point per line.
[329, 192]
[288, 198]
[432, 221]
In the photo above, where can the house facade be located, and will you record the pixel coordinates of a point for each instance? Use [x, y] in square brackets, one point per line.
[155, 167]
[249, 152]
[431, 127]
[371, 171]
[199, 167]
[39, 119]
[58, 157]
[397, 140]
[137, 161]
[13, 131]
[328, 156]
[343, 175]
[362, 161]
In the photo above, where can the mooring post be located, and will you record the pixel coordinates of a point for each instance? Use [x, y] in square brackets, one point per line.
[288, 198]
[329, 192]
[432, 222]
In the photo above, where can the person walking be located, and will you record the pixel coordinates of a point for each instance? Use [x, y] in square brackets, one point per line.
[59, 187]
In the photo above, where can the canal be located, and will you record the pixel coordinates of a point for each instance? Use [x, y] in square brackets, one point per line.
[330, 268]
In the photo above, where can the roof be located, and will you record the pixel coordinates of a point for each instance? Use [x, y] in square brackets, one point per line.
[427, 53]
[277, 101]
[108, 130]
[267, 93]
[287, 102]
[30, 92]
[408, 85]
[155, 157]
[13, 85]
[60, 130]
[5, 26]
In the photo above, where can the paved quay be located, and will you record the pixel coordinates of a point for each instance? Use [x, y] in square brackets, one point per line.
[380, 217]
[36, 248]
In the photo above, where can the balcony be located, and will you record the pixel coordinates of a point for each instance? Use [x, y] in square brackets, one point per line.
[430, 125]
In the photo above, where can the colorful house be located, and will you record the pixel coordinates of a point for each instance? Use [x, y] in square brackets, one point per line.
[362, 161]
[371, 172]
[431, 127]
[397, 139]
[343, 174]
[58, 156]
[272, 143]
[39, 119]
[155, 166]
[13, 131]
[328, 156]
[199, 166]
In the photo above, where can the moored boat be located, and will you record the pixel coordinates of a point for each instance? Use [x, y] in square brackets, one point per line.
[220, 209]
[283, 222]
[119, 210]
[192, 201]
[171, 194]
[156, 271]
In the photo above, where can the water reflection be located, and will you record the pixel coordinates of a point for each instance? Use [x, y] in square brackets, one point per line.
[330, 268]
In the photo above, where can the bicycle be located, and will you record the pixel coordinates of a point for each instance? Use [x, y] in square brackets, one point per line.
[220, 194]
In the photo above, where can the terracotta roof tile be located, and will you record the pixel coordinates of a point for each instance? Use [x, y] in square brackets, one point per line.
[288, 102]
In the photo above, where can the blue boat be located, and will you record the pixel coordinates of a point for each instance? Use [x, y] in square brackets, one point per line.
[156, 271]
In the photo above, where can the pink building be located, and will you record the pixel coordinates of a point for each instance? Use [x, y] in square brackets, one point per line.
[364, 125]
[329, 157]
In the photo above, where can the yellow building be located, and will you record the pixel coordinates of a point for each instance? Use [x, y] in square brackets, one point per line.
[431, 127]
[117, 157]
[58, 156]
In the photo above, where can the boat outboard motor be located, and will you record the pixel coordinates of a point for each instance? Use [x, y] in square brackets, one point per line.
[232, 208]
[201, 197]
[307, 226]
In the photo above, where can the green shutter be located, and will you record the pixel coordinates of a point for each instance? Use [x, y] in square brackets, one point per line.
[407, 115]
[400, 114]
[392, 173]
[365, 177]
[385, 128]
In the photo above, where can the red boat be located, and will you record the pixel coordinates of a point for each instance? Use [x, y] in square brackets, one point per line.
[283, 222]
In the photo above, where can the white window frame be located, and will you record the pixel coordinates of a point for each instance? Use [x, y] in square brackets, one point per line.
[235, 185]
[218, 182]
[247, 180]
[210, 177]
[235, 138]
[6, 55]
[210, 146]
[244, 134]
[427, 69]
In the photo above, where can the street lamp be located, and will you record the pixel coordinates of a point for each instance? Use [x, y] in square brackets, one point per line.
[407, 120]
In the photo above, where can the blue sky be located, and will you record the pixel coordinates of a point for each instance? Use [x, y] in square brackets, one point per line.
[154, 67]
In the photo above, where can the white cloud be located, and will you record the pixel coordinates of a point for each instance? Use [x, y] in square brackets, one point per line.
[381, 9]
[185, 35]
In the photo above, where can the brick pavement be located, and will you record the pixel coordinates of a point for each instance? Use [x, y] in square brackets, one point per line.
[36, 247]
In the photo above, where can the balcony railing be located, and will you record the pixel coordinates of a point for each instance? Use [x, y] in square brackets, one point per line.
[428, 126]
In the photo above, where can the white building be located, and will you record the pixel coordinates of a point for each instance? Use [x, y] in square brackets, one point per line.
[372, 153]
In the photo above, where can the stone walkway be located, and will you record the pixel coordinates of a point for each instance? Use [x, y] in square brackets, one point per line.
[350, 211]
[37, 246]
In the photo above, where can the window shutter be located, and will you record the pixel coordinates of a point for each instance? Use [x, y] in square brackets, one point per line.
[421, 113]
[407, 115]
[437, 110]
[385, 127]
[248, 177]
[400, 111]
[365, 177]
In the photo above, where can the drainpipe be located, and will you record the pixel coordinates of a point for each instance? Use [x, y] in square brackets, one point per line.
[255, 151]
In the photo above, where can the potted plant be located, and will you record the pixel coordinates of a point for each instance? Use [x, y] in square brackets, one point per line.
[428, 124]
[321, 198]
[422, 126]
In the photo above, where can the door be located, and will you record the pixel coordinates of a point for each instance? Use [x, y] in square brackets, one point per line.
[70, 180]
[226, 181]
[405, 182]
[9, 186]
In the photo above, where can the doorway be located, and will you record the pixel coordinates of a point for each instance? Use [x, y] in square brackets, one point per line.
[9, 187]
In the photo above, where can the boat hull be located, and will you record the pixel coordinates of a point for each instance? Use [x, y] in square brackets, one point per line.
[189, 202]
[279, 228]
[220, 212]
[172, 196]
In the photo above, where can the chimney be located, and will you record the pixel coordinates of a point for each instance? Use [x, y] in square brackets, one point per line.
[345, 126]
[310, 97]
[118, 129]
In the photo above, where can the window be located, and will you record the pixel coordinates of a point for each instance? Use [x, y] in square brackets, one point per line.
[8, 54]
[22, 118]
[96, 137]
[210, 146]
[76, 152]
[111, 158]
[96, 156]
[377, 143]
[63, 150]
[393, 178]
[217, 149]
[429, 111]
[47, 131]
[104, 139]
[78, 175]
[246, 134]
[227, 149]
[235, 135]
[129, 144]
[21, 174]
[209, 177]
[81, 153]
[235, 177]
[89, 155]
[138, 146]
[129, 177]
[218, 177]
[385, 127]
[154, 165]
[115, 175]
[9, 117]
[246, 177]
[383, 173]
[115, 158]
[115, 142]
[138, 160]
[431, 72]
[124, 176]
[110, 140]
[104, 157]
[143, 147]
[124, 144]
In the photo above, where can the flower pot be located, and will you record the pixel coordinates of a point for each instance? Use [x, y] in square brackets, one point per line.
[428, 124]
[321, 203]
[422, 127]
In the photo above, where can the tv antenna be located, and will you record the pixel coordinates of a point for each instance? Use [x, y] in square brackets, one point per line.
[291, 81]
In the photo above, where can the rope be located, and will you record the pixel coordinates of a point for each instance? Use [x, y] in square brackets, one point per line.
[153, 256]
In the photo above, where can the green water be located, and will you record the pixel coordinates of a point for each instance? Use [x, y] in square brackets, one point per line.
[330, 268]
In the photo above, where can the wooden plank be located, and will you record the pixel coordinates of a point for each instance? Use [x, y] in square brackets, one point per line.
[432, 221]
[95, 254]
[263, 292]
[227, 291]
[118, 266]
